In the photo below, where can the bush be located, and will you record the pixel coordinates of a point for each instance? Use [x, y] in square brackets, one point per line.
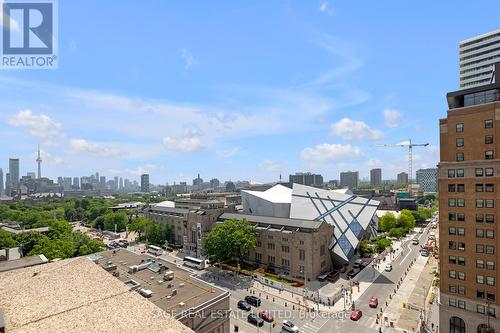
[382, 244]
[397, 232]
[387, 222]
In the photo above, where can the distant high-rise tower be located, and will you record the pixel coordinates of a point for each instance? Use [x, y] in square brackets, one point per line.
[14, 173]
[7, 184]
[478, 56]
[1, 181]
[145, 183]
[376, 177]
[39, 162]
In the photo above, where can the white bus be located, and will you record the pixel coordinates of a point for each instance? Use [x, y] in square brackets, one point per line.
[194, 262]
[155, 250]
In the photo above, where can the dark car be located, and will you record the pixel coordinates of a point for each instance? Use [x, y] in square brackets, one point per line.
[244, 306]
[254, 319]
[252, 300]
[352, 273]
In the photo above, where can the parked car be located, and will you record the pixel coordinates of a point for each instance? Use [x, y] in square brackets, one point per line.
[252, 300]
[289, 326]
[254, 319]
[266, 316]
[356, 314]
[415, 241]
[424, 253]
[432, 237]
[244, 305]
[373, 302]
[352, 273]
[388, 267]
[358, 263]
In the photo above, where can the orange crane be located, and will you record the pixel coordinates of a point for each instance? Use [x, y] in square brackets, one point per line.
[410, 146]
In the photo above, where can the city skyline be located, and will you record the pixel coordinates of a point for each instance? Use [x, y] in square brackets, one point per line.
[202, 111]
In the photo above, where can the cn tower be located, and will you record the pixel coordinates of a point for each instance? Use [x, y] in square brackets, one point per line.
[39, 162]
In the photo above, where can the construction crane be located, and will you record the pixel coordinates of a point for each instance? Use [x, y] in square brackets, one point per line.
[410, 146]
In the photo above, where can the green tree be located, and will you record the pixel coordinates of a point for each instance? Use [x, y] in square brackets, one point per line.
[406, 220]
[382, 244]
[53, 249]
[28, 240]
[69, 213]
[111, 219]
[230, 239]
[139, 225]
[6, 240]
[387, 222]
[59, 229]
[157, 233]
[396, 232]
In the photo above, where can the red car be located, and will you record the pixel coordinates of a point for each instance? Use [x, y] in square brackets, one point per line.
[266, 316]
[373, 303]
[356, 314]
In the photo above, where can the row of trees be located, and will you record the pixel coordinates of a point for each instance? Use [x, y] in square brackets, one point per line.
[60, 242]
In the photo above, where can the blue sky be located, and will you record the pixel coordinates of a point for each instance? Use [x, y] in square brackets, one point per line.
[239, 90]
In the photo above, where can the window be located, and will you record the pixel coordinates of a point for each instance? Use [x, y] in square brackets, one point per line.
[452, 260]
[457, 325]
[461, 276]
[490, 296]
[489, 203]
[452, 302]
[452, 202]
[490, 280]
[451, 173]
[490, 218]
[488, 123]
[488, 139]
[452, 231]
[480, 293]
[461, 304]
[461, 231]
[270, 237]
[459, 157]
[479, 203]
[459, 142]
[285, 262]
[480, 279]
[271, 246]
[479, 172]
[259, 243]
[460, 202]
[322, 250]
[490, 249]
[258, 256]
[271, 259]
[461, 246]
[451, 187]
[459, 127]
[489, 155]
[460, 187]
[452, 245]
[479, 233]
[479, 218]
[452, 216]
[452, 274]
[285, 248]
[452, 289]
[461, 290]
[460, 173]
[490, 234]
[301, 242]
[488, 172]
[461, 217]
[302, 254]
[481, 309]
[480, 263]
[284, 239]
[490, 265]
[479, 248]
[490, 188]
[479, 188]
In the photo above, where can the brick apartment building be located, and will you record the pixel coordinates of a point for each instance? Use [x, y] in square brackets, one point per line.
[469, 183]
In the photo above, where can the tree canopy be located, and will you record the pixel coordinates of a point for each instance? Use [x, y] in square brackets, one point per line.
[230, 239]
[387, 222]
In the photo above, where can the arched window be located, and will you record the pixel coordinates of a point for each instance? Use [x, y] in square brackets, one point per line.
[457, 325]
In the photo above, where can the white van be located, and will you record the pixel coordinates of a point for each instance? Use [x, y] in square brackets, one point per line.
[145, 292]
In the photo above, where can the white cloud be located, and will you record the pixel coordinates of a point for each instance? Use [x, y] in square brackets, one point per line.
[328, 152]
[375, 162]
[271, 166]
[230, 152]
[96, 149]
[189, 60]
[349, 129]
[392, 118]
[324, 7]
[48, 158]
[41, 126]
[183, 145]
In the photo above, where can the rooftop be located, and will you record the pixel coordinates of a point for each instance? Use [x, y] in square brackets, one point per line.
[273, 221]
[76, 295]
[277, 194]
[190, 291]
[10, 265]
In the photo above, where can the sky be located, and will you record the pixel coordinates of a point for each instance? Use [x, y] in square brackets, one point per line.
[238, 90]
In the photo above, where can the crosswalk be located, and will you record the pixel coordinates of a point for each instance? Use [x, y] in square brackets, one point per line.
[310, 328]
